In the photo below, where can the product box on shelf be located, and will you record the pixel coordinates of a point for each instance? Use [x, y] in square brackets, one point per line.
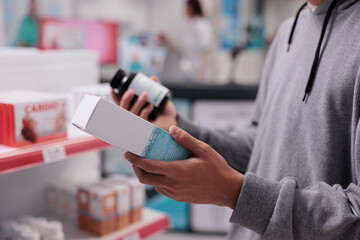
[127, 131]
[123, 202]
[97, 208]
[29, 227]
[29, 117]
[61, 199]
[101, 90]
[137, 195]
[110, 205]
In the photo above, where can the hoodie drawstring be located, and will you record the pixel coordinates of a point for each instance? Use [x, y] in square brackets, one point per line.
[316, 60]
[294, 25]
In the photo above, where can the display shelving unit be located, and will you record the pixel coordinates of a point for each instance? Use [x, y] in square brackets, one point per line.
[153, 223]
[14, 159]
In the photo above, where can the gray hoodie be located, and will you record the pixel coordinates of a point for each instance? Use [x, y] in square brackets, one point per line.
[302, 159]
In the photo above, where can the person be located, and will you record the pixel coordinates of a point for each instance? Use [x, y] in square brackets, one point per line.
[195, 47]
[295, 170]
[28, 34]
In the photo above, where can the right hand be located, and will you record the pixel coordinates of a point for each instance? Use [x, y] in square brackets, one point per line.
[165, 120]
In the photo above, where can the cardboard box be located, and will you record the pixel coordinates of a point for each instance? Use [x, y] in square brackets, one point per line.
[98, 200]
[127, 131]
[61, 198]
[137, 195]
[97, 208]
[29, 117]
[123, 202]
[98, 227]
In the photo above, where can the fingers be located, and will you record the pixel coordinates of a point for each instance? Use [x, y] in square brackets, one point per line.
[115, 97]
[139, 103]
[199, 148]
[155, 79]
[150, 178]
[126, 99]
[165, 191]
[137, 108]
[146, 111]
[148, 165]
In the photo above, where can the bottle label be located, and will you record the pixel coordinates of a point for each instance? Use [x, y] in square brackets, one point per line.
[161, 146]
[141, 83]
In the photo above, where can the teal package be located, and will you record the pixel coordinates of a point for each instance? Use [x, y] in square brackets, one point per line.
[162, 146]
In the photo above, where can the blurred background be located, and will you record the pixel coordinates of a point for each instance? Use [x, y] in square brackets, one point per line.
[220, 42]
[210, 54]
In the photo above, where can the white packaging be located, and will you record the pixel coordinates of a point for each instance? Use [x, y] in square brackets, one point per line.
[123, 200]
[61, 199]
[100, 90]
[98, 200]
[127, 131]
[38, 224]
[7, 228]
[32, 117]
[27, 233]
[53, 231]
[137, 189]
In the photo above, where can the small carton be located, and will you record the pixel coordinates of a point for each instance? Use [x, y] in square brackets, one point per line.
[137, 195]
[96, 226]
[127, 131]
[123, 202]
[29, 117]
[98, 200]
[97, 208]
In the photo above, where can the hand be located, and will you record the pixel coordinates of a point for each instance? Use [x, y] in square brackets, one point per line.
[205, 178]
[166, 119]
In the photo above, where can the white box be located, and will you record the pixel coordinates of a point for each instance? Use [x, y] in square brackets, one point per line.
[122, 195]
[137, 195]
[98, 200]
[137, 189]
[123, 202]
[127, 131]
[49, 71]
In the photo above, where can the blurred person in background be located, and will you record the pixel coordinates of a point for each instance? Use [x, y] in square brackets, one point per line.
[194, 48]
[28, 34]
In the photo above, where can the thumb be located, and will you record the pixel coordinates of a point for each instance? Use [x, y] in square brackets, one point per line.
[188, 141]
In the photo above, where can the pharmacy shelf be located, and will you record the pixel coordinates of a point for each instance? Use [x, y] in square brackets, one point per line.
[230, 91]
[14, 159]
[153, 223]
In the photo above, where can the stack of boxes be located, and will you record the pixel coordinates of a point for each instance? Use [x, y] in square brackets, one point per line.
[61, 199]
[110, 205]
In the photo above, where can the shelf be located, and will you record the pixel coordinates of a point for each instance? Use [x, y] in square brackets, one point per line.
[14, 159]
[154, 222]
[215, 92]
[230, 91]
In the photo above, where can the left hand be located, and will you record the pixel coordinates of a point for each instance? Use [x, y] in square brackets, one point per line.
[165, 120]
[205, 178]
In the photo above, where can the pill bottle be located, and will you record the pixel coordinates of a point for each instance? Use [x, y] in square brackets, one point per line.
[158, 95]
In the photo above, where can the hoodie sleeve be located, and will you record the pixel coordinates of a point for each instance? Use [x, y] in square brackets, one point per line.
[282, 210]
[236, 147]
